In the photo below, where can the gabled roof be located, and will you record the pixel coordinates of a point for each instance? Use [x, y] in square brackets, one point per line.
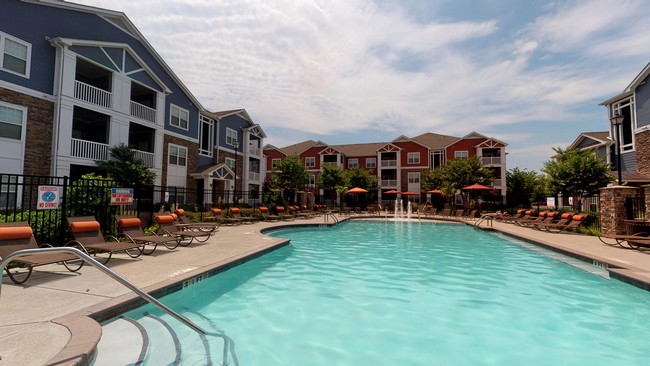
[218, 171]
[435, 141]
[299, 148]
[368, 149]
[598, 138]
[121, 21]
[629, 90]
[241, 112]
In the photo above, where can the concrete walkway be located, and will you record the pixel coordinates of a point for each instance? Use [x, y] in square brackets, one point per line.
[36, 319]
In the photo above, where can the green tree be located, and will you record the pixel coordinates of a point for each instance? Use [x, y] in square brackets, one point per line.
[123, 166]
[360, 177]
[330, 177]
[457, 174]
[522, 185]
[577, 173]
[291, 175]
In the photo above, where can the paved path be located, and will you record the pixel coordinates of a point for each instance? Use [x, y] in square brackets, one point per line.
[30, 316]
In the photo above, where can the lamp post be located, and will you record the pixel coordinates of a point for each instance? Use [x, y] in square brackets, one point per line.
[236, 146]
[617, 121]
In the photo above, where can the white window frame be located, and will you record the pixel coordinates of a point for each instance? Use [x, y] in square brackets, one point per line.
[460, 154]
[310, 162]
[275, 162]
[231, 136]
[312, 180]
[414, 158]
[180, 111]
[413, 178]
[371, 163]
[206, 124]
[23, 122]
[175, 153]
[231, 163]
[28, 61]
[353, 163]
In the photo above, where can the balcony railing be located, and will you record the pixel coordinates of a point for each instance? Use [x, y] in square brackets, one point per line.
[491, 160]
[147, 158]
[91, 94]
[388, 183]
[143, 112]
[89, 150]
[330, 163]
[256, 151]
[389, 163]
[254, 176]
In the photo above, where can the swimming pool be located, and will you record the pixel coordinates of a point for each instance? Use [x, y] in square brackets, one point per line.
[386, 293]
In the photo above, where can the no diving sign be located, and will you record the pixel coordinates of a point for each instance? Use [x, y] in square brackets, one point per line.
[48, 198]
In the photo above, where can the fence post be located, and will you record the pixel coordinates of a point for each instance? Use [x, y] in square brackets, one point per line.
[64, 210]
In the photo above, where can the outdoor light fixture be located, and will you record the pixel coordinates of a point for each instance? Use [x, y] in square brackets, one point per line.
[617, 121]
[235, 144]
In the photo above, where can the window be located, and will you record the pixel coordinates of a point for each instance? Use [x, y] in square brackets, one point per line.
[414, 158]
[310, 162]
[414, 178]
[180, 117]
[16, 55]
[11, 121]
[231, 136]
[312, 180]
[275, 162]
[231, 163]
[624, 108]
[205, 136]
[8, 189]
[461, 154]
[353, 163]
[371, 162]
[177, 155]
[438, 159]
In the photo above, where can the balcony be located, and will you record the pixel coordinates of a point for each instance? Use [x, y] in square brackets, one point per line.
[330, 163]
[254, 176]
[255, 151]
[147, 158]
[491, 160]
[92, 94]
[388, 183]
[89, 150]
[497, 183]
[143, 112]
[385, 163]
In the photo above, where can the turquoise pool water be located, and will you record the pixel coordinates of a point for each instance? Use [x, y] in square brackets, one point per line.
[385, 293]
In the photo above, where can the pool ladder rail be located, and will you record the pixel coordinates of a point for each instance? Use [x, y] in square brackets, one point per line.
[228, 343]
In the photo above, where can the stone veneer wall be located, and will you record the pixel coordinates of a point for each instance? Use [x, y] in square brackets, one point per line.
[612, 209]
[642, 146]
[40, 119]
[192, 158]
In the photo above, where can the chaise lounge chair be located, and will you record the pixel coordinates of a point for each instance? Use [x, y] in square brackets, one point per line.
[15, 236]
[567, 221]
[87, 234]
[185, 224]
[131, 228]
[235, 212]
[267, 216]
[167, 225]
[219, 215]
[283, 214]
[627, 241]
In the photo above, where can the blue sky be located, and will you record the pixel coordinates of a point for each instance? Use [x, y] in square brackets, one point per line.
[530, 73]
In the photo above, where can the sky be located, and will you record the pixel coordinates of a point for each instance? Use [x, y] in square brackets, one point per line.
[529, 73]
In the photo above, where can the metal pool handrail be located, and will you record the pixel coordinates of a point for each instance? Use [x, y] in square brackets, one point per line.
[88, 259]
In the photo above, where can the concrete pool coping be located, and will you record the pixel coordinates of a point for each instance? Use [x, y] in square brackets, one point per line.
[53, 319]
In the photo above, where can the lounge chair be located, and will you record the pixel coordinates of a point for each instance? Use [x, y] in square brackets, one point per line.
[87, 234]
[167, 225]
[283, 214]
[236, 214]
[527, 215]
[15, 236]
[131, 228]
[459, 213]
[627, 241]
[185, 224]
[219, 215]
[544, 216]
[445, 212]
[268, 216]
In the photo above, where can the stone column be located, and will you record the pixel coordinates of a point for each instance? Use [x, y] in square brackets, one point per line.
[612, 209]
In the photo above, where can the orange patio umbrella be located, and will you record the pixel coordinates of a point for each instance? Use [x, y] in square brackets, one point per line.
[409, 193]
[392, 191]
[476, 187]
[357, 190]
[435, 191]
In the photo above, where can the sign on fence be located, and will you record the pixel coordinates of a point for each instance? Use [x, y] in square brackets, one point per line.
[121, 196]
[48, 198]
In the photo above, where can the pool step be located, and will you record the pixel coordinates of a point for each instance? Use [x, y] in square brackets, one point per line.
[151, 340]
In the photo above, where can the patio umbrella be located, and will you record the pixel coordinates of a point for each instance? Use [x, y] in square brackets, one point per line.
[409, 193]
[357, 190]
[392, 191]
[476, 187]
[435, 191]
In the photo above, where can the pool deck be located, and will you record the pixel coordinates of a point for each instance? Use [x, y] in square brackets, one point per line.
[46, 320]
